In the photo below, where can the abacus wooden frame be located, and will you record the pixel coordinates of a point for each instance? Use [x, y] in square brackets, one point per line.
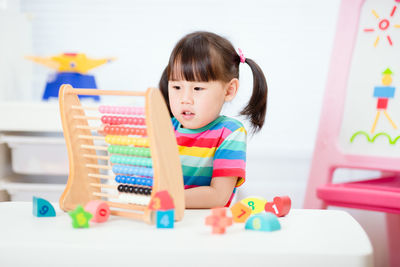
[164, 152]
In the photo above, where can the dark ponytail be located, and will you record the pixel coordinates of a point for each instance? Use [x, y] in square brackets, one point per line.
[257, 106]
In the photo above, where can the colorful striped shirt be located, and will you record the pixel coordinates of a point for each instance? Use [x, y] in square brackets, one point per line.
[215, 150]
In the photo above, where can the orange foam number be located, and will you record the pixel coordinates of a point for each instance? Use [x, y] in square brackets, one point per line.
[162, 200]
[280, 206]
[240, 212]
[218, 220]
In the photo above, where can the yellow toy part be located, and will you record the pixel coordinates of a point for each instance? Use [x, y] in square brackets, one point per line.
[257, 204]
[70, 62]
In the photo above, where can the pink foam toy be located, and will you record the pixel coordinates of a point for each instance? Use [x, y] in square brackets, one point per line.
[99, 209]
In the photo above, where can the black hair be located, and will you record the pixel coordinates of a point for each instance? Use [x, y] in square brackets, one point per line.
[205, 56]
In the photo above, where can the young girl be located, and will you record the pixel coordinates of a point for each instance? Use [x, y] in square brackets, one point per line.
[203, 74]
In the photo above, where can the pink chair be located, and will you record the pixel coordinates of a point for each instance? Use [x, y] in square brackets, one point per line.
[382, 193]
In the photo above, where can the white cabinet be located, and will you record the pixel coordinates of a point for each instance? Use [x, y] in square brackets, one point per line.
[33, 157]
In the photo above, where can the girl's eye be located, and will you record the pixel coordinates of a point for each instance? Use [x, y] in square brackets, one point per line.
[176, 87]
[198, 88]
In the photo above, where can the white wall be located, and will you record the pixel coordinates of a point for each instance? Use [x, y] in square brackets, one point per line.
[291, 40]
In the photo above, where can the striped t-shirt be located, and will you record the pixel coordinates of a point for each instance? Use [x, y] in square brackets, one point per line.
[215, 150]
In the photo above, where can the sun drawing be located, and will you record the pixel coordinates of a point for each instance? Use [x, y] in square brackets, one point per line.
[383, 25]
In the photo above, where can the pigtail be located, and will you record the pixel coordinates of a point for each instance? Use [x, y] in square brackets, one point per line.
[163, 85]
[257, 106]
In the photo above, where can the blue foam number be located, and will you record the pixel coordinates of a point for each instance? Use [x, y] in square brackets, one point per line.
[267, 222]
[165, 218]
[42, 208]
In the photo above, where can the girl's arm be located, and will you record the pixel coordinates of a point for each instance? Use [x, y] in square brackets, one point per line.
[215, 195]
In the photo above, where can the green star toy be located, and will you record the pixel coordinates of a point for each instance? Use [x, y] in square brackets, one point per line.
[80, 217]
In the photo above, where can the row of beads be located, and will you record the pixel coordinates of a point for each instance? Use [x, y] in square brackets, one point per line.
[140, 171]
[121, 110]
[117, 120]
[126, 140]
[127, 150]
[134, 189]
[147, 162]
[134, 199]
[122, 179]
[121, 130]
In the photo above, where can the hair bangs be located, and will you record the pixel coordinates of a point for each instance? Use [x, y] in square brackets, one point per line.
[192, 62]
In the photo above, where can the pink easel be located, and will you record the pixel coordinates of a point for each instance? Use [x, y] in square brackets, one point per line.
[381, 194]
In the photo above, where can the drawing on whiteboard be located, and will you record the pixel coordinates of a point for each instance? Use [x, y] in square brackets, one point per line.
[383, 93]
[383, 26]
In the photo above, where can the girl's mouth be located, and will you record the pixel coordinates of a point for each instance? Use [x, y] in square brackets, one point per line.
[187, 115]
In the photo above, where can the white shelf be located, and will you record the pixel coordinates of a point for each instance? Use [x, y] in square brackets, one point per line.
[30, 117]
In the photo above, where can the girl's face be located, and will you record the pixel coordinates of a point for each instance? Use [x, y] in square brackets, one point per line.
[196, 104]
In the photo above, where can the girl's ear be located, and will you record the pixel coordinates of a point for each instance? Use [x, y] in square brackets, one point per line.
[231, 89]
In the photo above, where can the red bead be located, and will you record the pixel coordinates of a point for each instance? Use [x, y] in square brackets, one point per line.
[119, 120]
[113, 120]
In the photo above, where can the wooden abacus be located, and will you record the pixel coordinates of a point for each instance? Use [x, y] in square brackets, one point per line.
[144, 158]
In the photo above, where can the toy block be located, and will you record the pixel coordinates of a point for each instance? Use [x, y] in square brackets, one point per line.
[266, 222]
[80, 217]
[218, 220]
[280, 206]
[42, 208]
[240, 212]
[256, 204]
[99, 209]
[162, 200]
[165, 218]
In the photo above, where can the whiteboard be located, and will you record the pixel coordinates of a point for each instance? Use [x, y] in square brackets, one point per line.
[374, 78]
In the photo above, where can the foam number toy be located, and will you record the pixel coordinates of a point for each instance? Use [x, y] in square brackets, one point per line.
[256, 204]
[163, 204]
[240, 212]
[99, 209]
[280, 206]
[218, 220]
[42, 208]
[165, 218]
[266, 222]
[162, 201]
[80, 217]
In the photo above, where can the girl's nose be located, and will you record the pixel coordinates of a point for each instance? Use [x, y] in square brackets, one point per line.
[187, 97]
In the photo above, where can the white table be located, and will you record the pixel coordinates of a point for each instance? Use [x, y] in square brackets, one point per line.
[307, 238]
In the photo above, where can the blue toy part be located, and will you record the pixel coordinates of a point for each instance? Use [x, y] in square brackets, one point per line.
[266, 222]
[165, 218]
[42, 208]
[384, 91]
[75, 79]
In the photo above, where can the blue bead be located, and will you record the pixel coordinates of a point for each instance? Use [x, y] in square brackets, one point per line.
[128, 180]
